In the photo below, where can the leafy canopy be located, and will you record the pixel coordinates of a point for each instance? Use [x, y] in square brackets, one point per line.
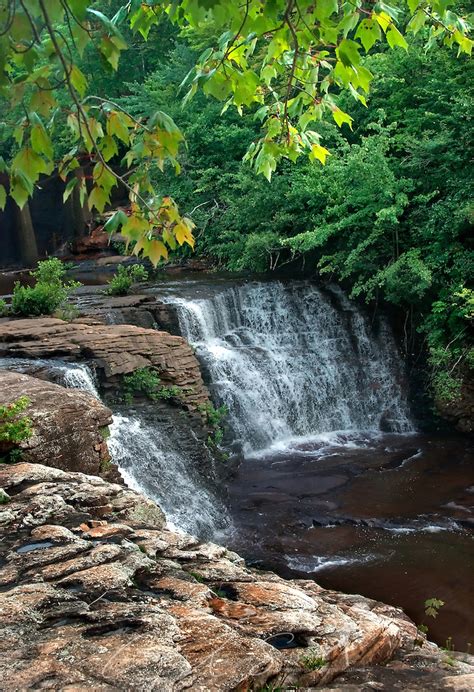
[286, 60]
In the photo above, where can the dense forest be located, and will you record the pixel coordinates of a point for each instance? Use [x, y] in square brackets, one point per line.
[389, 215]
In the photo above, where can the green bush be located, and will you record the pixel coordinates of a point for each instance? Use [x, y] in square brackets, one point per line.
[14, 427]
[49, 294]
[4, 309]
[147, 382]
[124, 278]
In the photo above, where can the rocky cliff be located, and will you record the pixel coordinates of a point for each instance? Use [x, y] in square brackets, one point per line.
[114, 350]
[96, 593]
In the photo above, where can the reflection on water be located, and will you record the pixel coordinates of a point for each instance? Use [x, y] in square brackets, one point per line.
[388, 516]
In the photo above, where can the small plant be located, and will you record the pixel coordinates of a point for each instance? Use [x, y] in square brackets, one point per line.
[147, 382]
[124, 278]
[312, 660]
[4, 308]
[214, 418]
[432, 606]
[14, 428]
[49, 294]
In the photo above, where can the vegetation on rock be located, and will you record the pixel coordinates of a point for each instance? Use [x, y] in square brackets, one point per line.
[146, 381]
[124, 278]
[14, 427]
[49, 294]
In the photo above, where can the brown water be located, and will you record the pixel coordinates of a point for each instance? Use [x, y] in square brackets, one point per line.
[388, 516]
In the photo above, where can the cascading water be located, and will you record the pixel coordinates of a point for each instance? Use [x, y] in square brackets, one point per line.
[70, 375]
[148, 459]
[151, 462]
[294, 360]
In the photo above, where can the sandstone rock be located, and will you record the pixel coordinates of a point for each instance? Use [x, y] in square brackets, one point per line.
[67, 425]
[115, 350]
[113, 600]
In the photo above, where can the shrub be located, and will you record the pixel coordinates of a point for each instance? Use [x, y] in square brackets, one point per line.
[214, 419]
[147, 382]
[4, 309]
[124, 278]
[49, 294]
[14, 428]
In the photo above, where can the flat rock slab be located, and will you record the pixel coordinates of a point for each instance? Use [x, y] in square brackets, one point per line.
[98, 594]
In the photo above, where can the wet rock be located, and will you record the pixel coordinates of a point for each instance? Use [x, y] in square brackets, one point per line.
[67, 424]
[105, 597]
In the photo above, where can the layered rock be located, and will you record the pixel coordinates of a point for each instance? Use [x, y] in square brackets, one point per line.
[69, 426]
[115, 350]
[98, 593]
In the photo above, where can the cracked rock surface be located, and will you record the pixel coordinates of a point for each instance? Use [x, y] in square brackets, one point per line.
[96, 593]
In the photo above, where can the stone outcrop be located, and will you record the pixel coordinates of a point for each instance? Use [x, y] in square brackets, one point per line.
[96, 593]
[114, 350]
[69, 426]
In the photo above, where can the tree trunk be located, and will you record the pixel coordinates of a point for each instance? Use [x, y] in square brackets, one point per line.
[79, 214]
[26, 235]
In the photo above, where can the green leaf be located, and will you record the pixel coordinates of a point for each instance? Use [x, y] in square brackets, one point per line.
[3, 197]
[98, 198]
[41, 141]
[395, 38]
[69, 188]
[340, 117]
[117, 125]
[108, 147]
[368, 32]
[320, 153]
[118, 219]
[78, 80]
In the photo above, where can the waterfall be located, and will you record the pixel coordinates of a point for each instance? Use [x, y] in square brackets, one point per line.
[70, 375]
[148, 460]
[151, 463]
[295, 360]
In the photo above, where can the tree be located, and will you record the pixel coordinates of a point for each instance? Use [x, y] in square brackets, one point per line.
[286, 60]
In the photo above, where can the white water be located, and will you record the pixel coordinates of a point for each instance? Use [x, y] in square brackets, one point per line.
[70, 375]
[149, 462]
[295, 361]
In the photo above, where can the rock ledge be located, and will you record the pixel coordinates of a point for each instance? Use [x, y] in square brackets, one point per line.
[96, 593]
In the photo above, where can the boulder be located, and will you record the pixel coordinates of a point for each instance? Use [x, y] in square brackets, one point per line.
[98, 594]
[69, 426]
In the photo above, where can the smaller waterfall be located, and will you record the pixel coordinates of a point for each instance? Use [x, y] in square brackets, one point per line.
[151, 463]
[70, 375]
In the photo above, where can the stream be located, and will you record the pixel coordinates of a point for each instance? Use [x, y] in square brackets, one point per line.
[333, 482]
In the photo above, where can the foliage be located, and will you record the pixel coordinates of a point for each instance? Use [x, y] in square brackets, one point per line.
[4, 308]
[214, 418]
[432, 606]
[390, 217]
[49, 293]
[312, 660]
[14, 427]
[146, 381]
[124, 278]
[286, 61]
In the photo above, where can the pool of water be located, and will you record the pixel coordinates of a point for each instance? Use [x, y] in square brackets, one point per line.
[387, 516]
